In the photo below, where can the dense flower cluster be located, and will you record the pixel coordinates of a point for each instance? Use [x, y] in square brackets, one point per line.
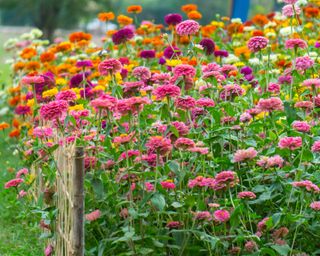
[198, 139]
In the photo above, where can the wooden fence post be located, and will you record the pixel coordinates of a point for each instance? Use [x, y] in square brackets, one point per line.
[78, 203]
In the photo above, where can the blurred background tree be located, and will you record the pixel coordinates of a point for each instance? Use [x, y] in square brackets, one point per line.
[48, 15]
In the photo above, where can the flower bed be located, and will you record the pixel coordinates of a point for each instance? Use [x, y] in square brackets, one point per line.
[198, 139]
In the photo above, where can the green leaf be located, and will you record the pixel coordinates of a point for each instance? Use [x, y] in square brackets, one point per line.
[98, 188]
[267, 252]
[176, 205]
[174, 166]
[283, 250]
[158, 201]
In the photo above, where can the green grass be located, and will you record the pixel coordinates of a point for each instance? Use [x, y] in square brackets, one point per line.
[19, 230]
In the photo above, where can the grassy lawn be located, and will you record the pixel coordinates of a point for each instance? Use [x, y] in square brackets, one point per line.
[19, 231]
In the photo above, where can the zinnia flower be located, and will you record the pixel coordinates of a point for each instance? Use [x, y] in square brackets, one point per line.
[167, 90]
[257, 43]
[270, 104]
[173, 19]
[301, 126]
[315, 206]
[122, 36]
[93, 215]
[295, 43]
[54, 110]
[13, 183]
[159, 144]
[303, 63]
[168, 184]
[184, 70]
[246, 195]
[291, 143]
[312, 82]
[148, 54]
[221, 215]
[208, 45]
[316, 146]
[185, 103]
[187, 27]
[290, 10]
[109, 67]
[244, 154]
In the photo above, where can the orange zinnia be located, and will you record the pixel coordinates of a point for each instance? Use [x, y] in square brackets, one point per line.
[64, 46]
[4, 125]
[79, 36]
[189, 8]
[105, 16]
[14, 133]
[28, 53]
[260, 20]
[18, 66]
[124, 20]
[194, 15]
[134, 9]
[46, 57]
[32, 65]
[15, 123]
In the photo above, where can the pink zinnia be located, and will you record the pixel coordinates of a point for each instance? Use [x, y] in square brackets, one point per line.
[67, 95]
[205, 102]
[270, 104]
[13, 183]
[315, 206]
[246, 195]
[173, 224]
[23, 171]
[149, 187]
[274, 88]
[244, 154]
[54, 110]
[221, 215]
[168, 184]
[296, 43]
[93, 215]
[290, 10]
[184, 143]
[316, 147]
[187, 27]
[42, 132]
[257, 43]
[22, 193]
[312, 82]
[307, 184]
[304, 104]
[231, 91]
[181, 127]
[225, 179]
[185, 103]
[184, 70]
[205, 215]
[159, 144]
[104, 102]
[269, 162]
[303, 63]
[32, 80]
[167, 90]
[291, 143]
[109, 67]
[142, 73]
[301, 126]
[48, 250]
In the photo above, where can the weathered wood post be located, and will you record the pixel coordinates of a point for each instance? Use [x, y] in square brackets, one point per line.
[78, 203]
